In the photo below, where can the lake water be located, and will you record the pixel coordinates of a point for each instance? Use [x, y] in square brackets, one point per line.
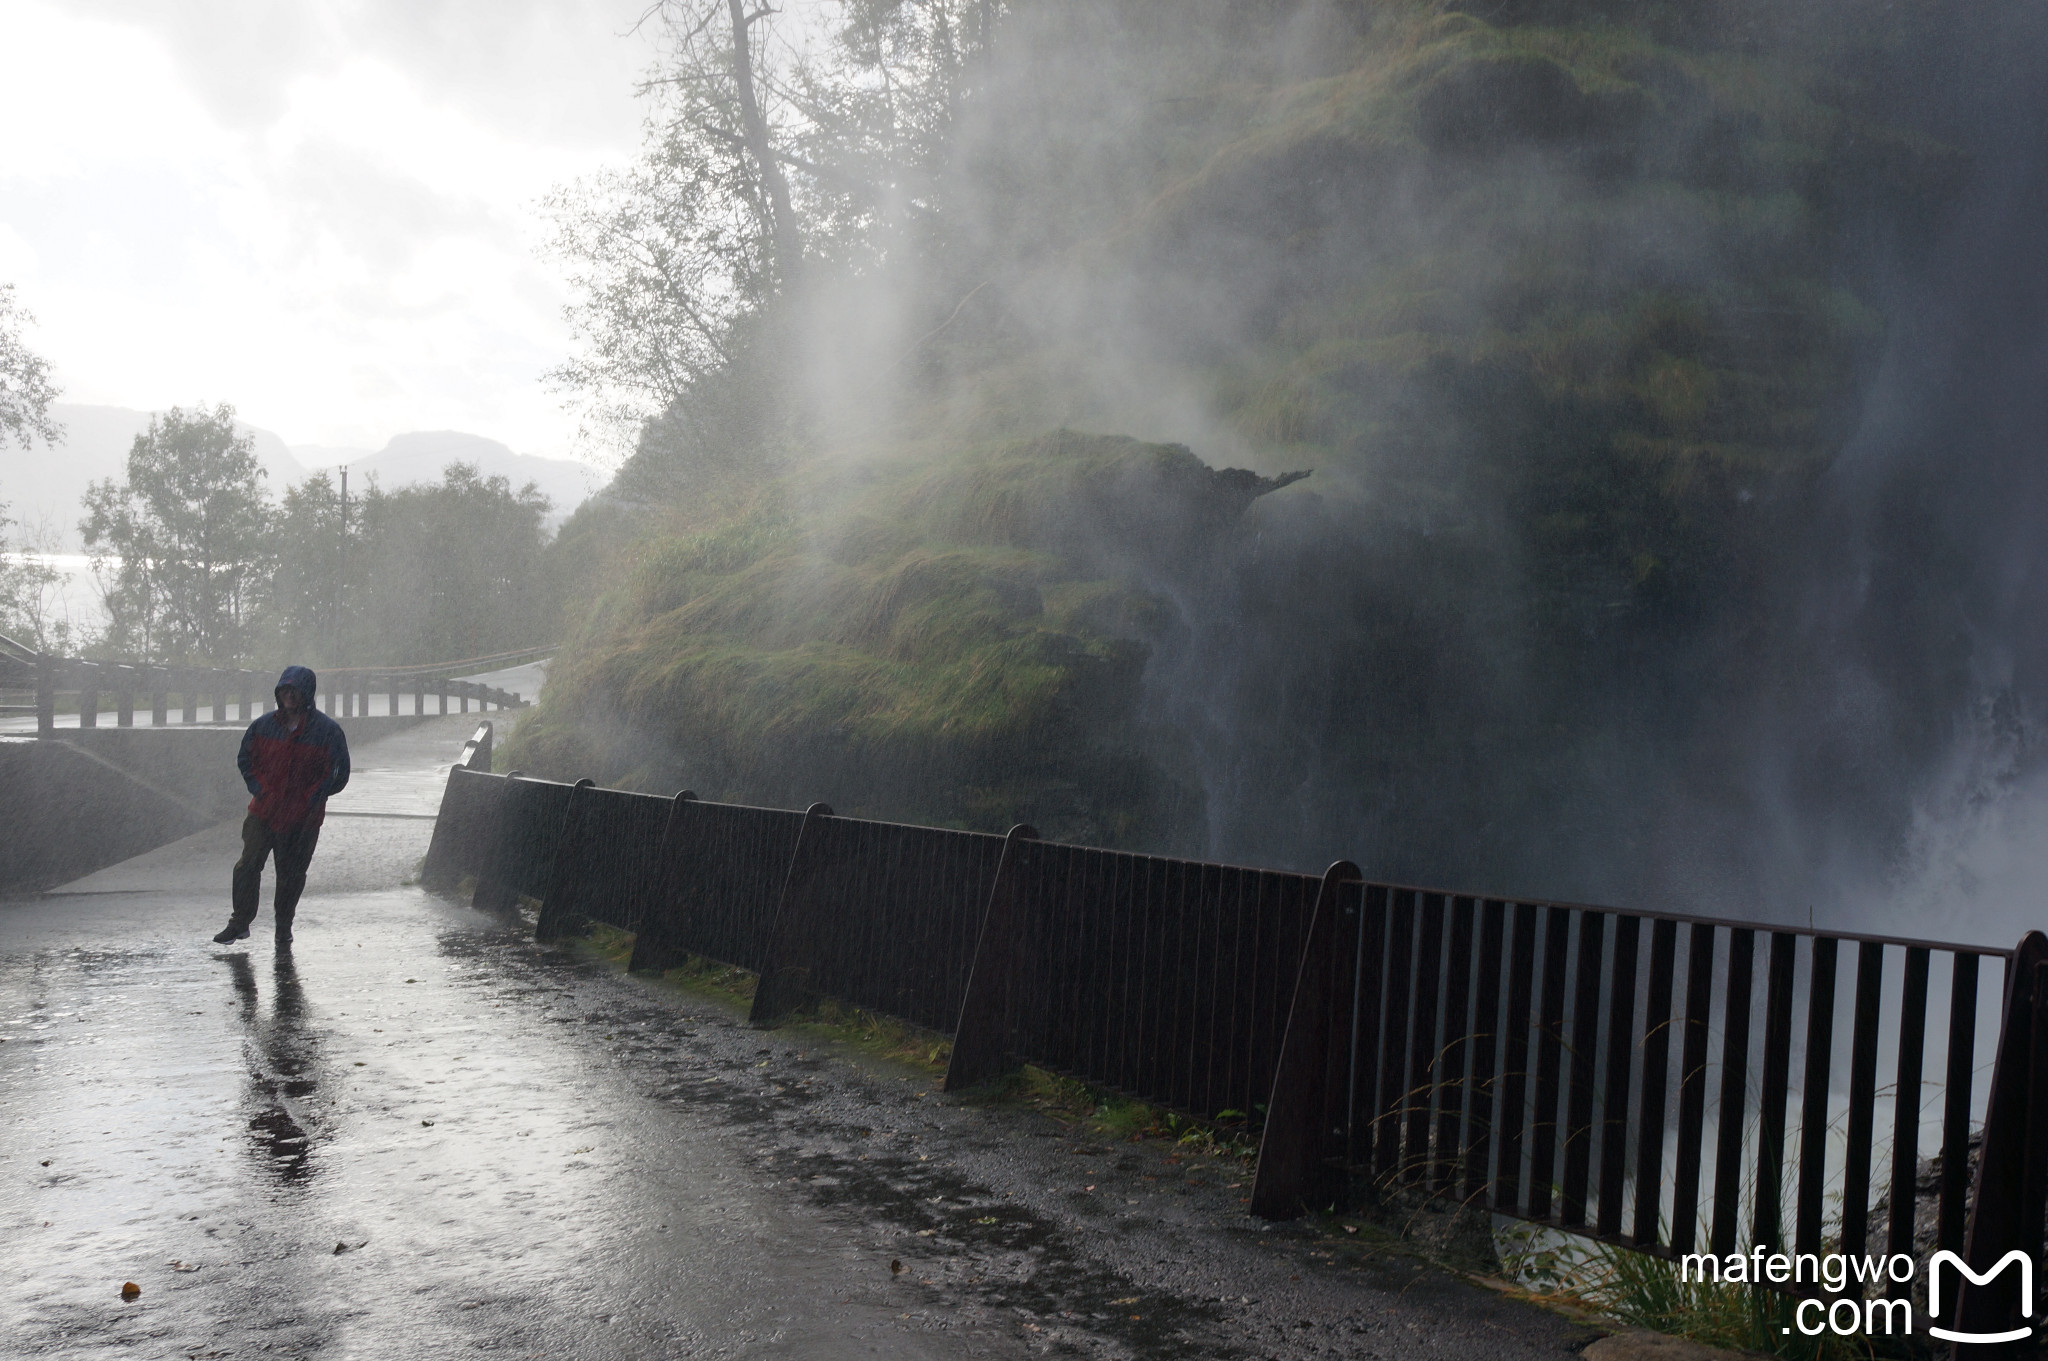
[76, 597]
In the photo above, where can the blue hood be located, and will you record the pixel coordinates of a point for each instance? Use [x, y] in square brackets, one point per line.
[301, 679]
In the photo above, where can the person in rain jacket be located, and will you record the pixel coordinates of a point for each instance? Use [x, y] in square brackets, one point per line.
[291, 759]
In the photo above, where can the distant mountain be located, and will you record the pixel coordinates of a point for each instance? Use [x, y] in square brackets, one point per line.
[44, 485]
[423, 455]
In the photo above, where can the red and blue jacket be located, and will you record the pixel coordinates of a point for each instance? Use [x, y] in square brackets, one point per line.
[290, 772]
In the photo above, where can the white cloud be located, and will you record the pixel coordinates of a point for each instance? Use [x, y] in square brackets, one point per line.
[322, 213]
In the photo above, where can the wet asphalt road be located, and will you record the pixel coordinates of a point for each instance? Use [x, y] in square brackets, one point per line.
[419, 1135]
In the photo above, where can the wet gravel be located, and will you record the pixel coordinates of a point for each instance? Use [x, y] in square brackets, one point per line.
[419, 1134]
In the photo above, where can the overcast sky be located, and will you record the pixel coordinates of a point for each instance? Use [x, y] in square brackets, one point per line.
[324, 213]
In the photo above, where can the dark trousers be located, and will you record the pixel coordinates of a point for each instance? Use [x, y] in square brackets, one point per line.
[294, 852]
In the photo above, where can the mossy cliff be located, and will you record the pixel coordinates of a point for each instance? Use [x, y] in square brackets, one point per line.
[1571, 307]
[957, 640]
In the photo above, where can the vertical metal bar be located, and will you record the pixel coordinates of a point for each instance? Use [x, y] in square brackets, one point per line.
[981, 1040]
[1906, 1108]
[1304, 1126]
[1513, 1118]
[1774, 1091]
[1585, 1046]
[1734, 1088]
[1452, 1057]
[1862, 1099]
[1656, 1081]
[1692, 1089]
[2005, 1211]
[1393, 1065]
[46, 695]
[1621, 1015]
[1422, 1045]
[1813, 1103]
[1485, 1047]
[1549, 1063]
[1373, 965]
[1955, 1122]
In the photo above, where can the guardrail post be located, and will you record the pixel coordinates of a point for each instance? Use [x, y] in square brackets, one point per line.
[395, 687]
[419, 697]
[1301, 1149]
[124, 696]
[658, 945]
[559, 895]
[89, 696]
[785, 967]
[188, 694]
[981, 1040]
[453, 823]
[2005, 1206]
[220, 695]
[46, 696]
[248, 688]
[494, 893]
[159, 700]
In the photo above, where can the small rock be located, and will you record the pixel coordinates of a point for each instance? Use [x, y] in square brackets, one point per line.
[340, 1248]
[130, 1290]
[1648, 1346]
[895, 1267]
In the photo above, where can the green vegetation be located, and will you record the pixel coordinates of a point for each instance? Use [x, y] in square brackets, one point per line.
[1568, 310]
[949, 640]
[1645, 1292]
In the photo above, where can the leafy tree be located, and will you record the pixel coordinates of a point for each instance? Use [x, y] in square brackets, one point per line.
[760, 156]
[25, 387]
[180, 544]
[26, 582]
[302, 589]
[435, 572]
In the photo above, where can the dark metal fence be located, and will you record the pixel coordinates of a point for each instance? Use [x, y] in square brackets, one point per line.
[1668, 1083]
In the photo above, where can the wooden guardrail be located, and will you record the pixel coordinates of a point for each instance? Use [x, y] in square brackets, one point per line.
[98, 690]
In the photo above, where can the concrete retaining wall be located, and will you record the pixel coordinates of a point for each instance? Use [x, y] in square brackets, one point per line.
[93, 797]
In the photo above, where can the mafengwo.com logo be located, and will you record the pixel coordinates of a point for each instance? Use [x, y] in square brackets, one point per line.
[1849, 1317]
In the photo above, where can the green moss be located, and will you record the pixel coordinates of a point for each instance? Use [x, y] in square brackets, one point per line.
[891, 649]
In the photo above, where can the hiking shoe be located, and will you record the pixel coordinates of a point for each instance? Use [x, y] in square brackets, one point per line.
[231, 932]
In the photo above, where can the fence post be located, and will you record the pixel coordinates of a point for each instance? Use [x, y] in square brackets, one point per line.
[785, 966]
[981, 1040]
[493, 892]
[559, 894]
[453, 823]
[124, 696]
[2002, 1214]
[89, 695]
[159, 699]
[658, 945]
[419, 697]
[46, 695]
[1303, 1142]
